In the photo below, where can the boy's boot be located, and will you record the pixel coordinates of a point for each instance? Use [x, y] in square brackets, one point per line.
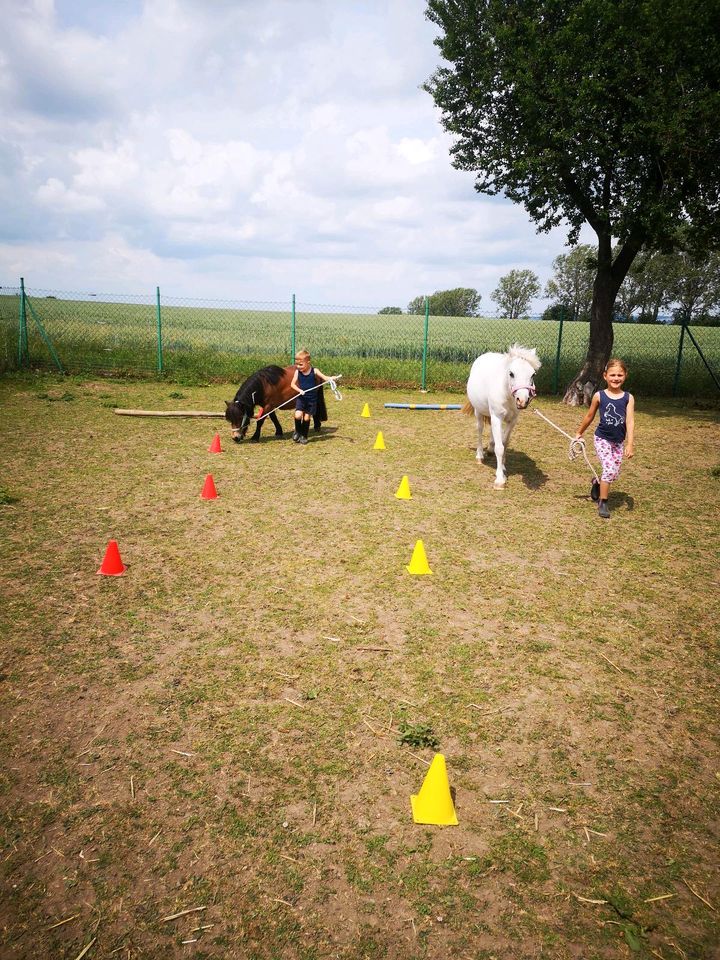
[305, 427]
[595, 490]
[296, 432]
[603, 510]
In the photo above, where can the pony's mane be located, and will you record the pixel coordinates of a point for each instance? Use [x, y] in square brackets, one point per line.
[525, 353]
[256, 382]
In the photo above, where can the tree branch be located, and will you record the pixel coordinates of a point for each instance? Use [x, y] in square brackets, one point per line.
[583, 202]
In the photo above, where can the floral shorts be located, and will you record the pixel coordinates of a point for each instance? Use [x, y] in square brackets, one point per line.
[610, 456]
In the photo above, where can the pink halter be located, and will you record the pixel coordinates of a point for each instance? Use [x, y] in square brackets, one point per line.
[529, 387]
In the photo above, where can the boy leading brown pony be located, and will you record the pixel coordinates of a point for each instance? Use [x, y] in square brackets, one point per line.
[306, 404]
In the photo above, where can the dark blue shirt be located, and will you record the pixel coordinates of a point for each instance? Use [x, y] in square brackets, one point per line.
[306, 380]
[613, 414]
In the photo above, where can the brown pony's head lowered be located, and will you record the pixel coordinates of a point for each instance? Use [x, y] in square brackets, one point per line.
[251, 394]
[270, 390]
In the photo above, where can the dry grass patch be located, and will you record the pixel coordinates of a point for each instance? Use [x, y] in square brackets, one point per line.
[229, 734]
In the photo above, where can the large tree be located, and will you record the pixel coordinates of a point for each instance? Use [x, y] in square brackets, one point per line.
[694, 284]
[646, 286]
[514, 292]
[460, 302]
[572, 282]
[599, 112]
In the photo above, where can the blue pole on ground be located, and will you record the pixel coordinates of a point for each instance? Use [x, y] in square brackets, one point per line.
[424, 406]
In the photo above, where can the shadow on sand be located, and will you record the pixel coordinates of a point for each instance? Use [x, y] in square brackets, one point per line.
[617, 499]
[519, 463]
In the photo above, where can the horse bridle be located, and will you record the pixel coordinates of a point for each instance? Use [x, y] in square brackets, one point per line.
[530, 389]
[238, 431]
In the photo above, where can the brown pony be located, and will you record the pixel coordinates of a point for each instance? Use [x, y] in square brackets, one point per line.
[268, 389]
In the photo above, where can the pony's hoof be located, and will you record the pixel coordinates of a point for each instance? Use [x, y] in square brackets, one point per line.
[255, 440]
[499, 486]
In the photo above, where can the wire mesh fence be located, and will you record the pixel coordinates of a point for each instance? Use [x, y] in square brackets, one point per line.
[198, 340]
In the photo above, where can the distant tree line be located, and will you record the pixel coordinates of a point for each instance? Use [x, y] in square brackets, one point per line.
[685, 283]
[682, 282]
[460, 302]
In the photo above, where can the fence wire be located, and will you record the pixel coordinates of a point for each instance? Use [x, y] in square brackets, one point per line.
[198, 340]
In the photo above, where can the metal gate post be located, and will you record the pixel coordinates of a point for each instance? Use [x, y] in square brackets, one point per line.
[159, 332]
[423, 385]
[679, 358]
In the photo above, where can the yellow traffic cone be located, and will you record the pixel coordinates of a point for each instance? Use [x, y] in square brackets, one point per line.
[434, 802]
[403, 491]
[379, 441]
[365, 411]
[419, 563]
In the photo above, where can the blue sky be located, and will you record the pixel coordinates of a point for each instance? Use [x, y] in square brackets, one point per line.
[240, 149]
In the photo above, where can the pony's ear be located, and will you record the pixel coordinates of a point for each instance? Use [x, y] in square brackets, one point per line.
[228, 404]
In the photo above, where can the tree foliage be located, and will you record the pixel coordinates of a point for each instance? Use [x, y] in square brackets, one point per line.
[686, 279]
[390, 310]
[557, 312]
[646, 288]
[460, 302]
[514, 292]
[591, 112]
[572, 281]
[694, 285]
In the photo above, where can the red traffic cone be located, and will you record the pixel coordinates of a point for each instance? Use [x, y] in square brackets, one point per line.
[208, 491]
[112, 565]
[215, 445]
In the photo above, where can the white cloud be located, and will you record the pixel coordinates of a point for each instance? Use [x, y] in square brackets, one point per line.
[245, 150]
[53, 193]
[417, 151]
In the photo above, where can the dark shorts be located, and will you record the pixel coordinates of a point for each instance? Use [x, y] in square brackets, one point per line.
[308, 403]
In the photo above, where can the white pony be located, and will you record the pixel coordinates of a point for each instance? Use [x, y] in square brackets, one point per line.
[500, 384]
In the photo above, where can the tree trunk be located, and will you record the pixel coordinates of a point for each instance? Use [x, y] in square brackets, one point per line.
[608, 280]
[580, 391]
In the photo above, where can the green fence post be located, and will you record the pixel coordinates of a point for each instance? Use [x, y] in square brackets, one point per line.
[679, 358]
[423, 386]
[292, 330]
[702, 357]
[556, 373]
[22, 333]
[159, 332]
[46, 338]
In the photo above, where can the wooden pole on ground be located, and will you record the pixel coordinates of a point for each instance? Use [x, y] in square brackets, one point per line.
[167, 413]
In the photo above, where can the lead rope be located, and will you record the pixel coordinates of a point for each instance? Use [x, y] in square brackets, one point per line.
[330, 382]
[576, 445]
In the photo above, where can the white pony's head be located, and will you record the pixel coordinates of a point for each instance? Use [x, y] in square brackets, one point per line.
[522, 365]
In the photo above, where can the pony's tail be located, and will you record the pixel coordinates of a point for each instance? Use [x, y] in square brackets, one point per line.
[468, 409]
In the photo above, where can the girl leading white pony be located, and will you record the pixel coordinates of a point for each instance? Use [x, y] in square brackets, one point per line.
[499, 386]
